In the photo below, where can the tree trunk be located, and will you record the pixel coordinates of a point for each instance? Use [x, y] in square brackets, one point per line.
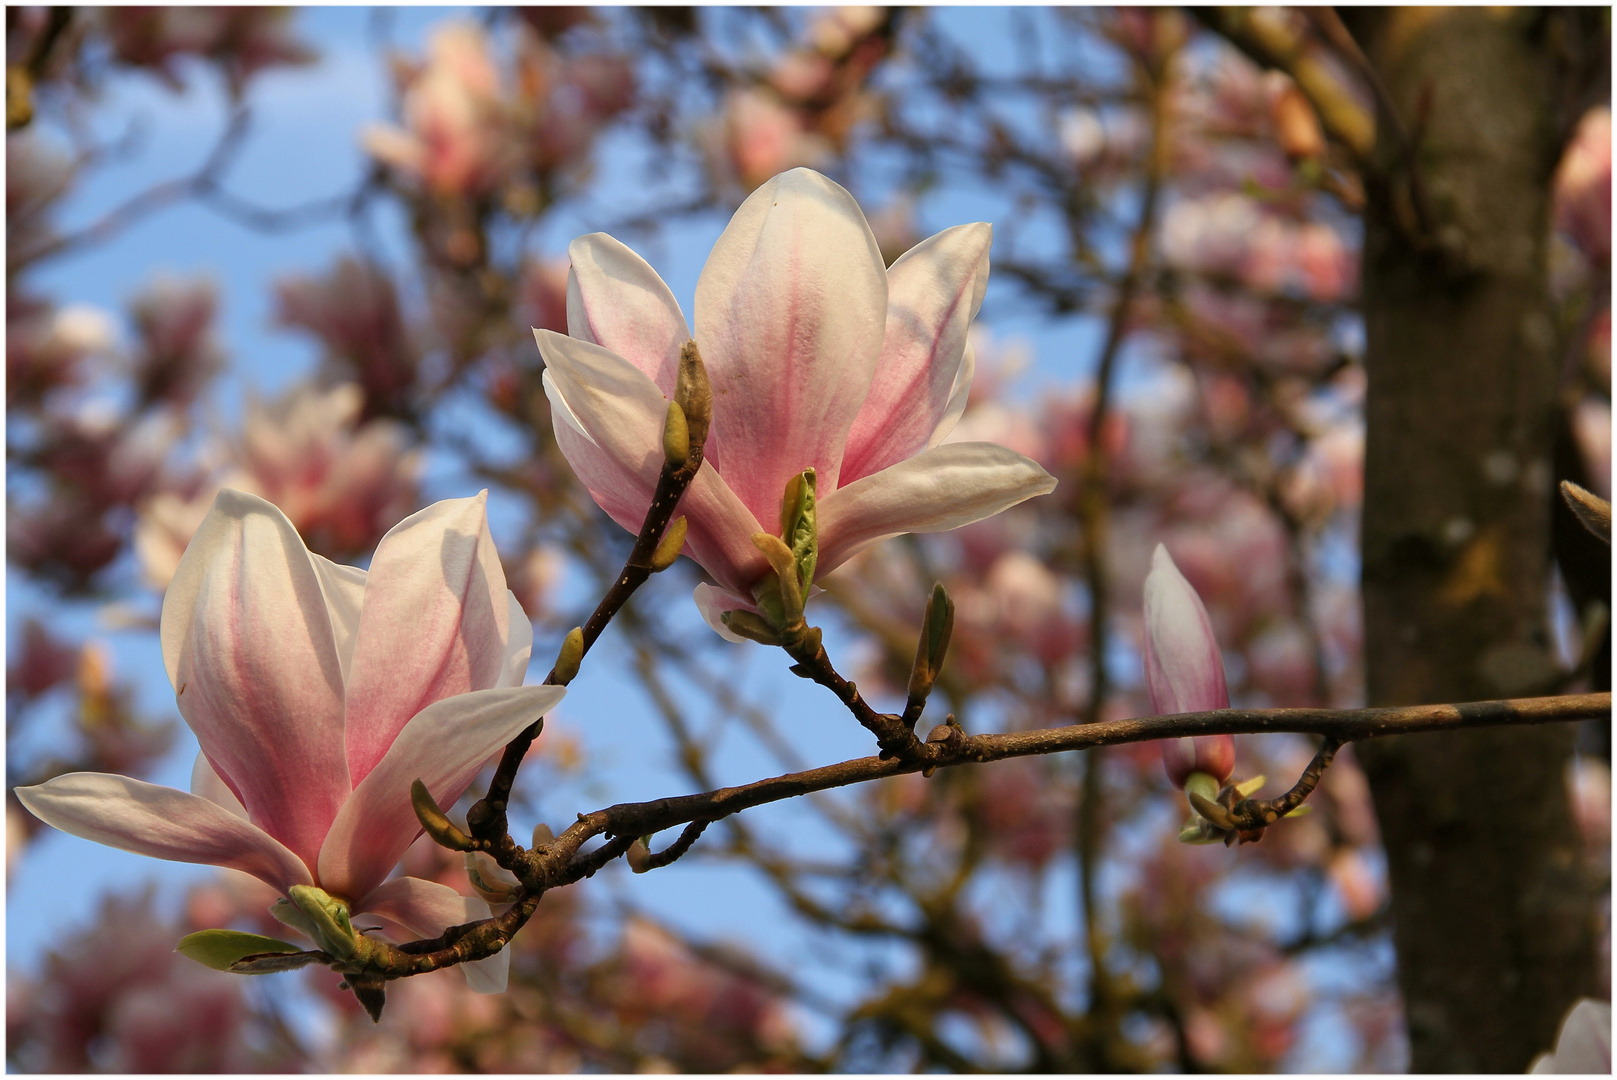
[1494, 918]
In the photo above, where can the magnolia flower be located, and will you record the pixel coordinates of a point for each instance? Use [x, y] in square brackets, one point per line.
[1583, 1044]
[319, 692]
[1184, 670]
[819, 358]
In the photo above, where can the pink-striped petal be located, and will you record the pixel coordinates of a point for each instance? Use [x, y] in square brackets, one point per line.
[248, 643]
[443, 746]
[1184, 669]
[435, 624]
[933, 292]
[790, 313]
[616, 450]
[163, 823]
[935, 491]
[617, 301]
[426, 909]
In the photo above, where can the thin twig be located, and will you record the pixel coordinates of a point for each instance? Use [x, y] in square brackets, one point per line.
[557, 863]
[487, 817]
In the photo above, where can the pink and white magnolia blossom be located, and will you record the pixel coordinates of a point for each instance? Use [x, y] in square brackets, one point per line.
[819, 356]
[1184, 670]
[318, 693]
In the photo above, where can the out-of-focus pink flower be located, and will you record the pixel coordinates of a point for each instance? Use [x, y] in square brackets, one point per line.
[1184, 670]
[354, 312]
[43, 662]
[1583, 1044]
[1357, 885]
[244, 40]
[453, 109]
[1591, 429]
[177, 352]
[319, 692]
[117, 998]
[1026, 817]
[763, 137]
[819, 358]
[1589, 784]
[1583, 187]
[339, 483]
[46, 347]
[543, 294]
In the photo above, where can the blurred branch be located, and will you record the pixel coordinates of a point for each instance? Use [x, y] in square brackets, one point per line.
[1092, 510]
[1268, 41]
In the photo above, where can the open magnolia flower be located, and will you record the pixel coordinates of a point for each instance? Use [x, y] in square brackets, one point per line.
[1184, 670]
[819, 357]
[318, 693]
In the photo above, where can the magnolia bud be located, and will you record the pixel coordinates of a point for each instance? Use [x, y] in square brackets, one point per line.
[694, 394]
[639, 856]
[785, 567]
[329, 918]
[936, 628]
[1213, 755]
[799, 524]
[438, 826]
[572, 653]
[676, 435]
[750, 626]
[669, 547]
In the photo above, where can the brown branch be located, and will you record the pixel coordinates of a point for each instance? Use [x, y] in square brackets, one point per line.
[893, 735]
[555, 864]
[487, 817]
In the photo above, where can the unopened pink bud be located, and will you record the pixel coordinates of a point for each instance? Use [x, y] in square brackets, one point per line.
[1184, 670]
[1210, 754]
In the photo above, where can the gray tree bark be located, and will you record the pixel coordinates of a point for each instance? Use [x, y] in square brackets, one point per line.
[1494, 915]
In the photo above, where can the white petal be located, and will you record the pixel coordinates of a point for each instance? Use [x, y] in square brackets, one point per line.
[933, 292]
[519, 647]
[790, 313]
[443, 746]
[958, 397]
[935, 491]
[426, 909]
[206, 783]
[617, 301]
[163, 823]
[1583, 1044]
[435, 624]
[622, 413]
[344, 590]
[713, 602]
